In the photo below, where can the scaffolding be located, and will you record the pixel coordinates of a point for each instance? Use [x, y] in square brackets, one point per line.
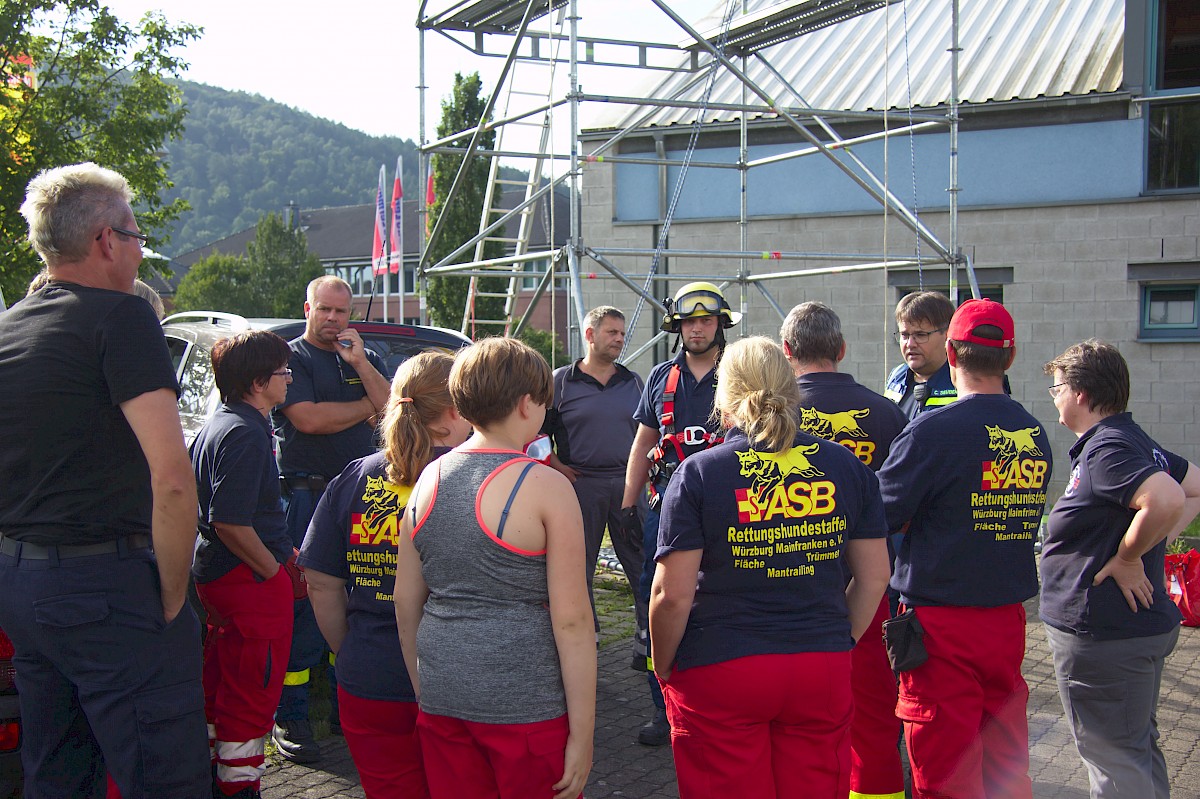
[476, 25]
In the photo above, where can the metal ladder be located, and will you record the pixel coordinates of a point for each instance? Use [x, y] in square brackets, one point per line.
[523, 72]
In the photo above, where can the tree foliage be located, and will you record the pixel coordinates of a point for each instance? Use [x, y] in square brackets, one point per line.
[269, 280]
[448, 294]
[546, 343]
[242, 156]
[79, 84]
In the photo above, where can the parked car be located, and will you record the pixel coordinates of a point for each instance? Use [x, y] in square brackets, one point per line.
[190, 337]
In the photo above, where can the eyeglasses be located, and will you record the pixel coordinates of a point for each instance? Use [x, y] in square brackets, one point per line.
[1057, 389]
[919, 336]
[133, 234]
[282, 373]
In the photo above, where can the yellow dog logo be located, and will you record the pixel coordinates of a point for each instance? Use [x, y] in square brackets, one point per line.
[832, 425]
[377, 523]
[770, 468]
[1010, 445]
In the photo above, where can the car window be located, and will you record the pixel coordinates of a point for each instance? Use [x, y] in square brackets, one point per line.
[178, 348]
[395, 350]
[197, 398]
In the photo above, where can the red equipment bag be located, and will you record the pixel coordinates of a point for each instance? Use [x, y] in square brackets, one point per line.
[1183, 585]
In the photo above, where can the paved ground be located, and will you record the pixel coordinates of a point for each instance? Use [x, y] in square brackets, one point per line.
[625, 769]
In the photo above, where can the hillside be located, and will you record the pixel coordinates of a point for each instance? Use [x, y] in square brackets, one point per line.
[242, 156]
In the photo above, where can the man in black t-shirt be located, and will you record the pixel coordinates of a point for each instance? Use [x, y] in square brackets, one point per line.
[327, 421]
[835, 407]
[98, 511]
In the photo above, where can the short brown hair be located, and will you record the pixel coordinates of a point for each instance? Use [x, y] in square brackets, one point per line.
[925, 306]
[980, 359]
[1097, 369]
[491, 375]
[245, 359]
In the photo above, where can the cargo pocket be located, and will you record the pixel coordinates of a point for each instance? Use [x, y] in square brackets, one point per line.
[547, 750]
[910, 709]
[173, 740]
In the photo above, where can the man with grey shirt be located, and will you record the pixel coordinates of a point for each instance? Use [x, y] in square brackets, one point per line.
[591, 424]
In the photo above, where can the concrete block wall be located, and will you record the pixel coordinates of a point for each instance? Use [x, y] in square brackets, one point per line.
[1070, 282]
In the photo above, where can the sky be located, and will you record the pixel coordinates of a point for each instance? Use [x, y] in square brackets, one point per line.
[359, 66]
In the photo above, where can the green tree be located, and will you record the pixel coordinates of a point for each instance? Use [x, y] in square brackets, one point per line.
[545, 343]
[269, 280]
[448, 294]
[78, 84]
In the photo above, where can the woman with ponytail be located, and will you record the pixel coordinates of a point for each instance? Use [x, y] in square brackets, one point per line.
[751, 620]
[349, 559]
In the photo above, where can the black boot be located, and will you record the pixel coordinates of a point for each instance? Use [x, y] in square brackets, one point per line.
[295, 742]
[656, 732]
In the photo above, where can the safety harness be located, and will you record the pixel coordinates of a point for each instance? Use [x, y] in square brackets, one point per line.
[669, 453]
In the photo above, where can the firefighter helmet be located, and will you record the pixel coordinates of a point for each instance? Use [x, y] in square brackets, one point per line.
[696, 300]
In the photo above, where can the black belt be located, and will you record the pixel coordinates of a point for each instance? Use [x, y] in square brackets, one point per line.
[28, 551]
[312, 482]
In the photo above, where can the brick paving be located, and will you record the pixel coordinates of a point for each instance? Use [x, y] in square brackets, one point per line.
[625, 769]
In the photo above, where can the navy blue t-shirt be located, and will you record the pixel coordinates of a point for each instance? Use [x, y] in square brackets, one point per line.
[352, 536]
[1108, 463]
[693, 398]
[71, 469]
[237, 483]
[971, 478]
[773, 527]
[834, 406]
[322, 376]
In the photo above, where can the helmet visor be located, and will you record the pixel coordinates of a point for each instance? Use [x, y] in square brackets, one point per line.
[698, 303]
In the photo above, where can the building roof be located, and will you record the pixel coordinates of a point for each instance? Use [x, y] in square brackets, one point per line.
[1011, 49]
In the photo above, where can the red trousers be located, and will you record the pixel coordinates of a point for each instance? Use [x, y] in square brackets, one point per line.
[245, 657]
[875, 769]
[763, 726]
[492, 761]
[382, 738]
[964, 708]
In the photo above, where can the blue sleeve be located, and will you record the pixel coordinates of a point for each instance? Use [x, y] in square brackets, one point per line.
[1117, 470]
[907, 477]
[237, 471]
[680, 526]
[872, 522]
[645, 413]
[301, 388]
[325, 542]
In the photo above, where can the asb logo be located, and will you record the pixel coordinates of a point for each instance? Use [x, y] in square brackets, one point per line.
[768, 497]
[844, 423]
[379, 523]
[1009, 469]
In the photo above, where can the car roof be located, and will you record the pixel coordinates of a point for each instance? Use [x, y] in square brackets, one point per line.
[213, 325]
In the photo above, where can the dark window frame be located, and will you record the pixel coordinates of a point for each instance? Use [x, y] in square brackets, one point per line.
[1165, 331]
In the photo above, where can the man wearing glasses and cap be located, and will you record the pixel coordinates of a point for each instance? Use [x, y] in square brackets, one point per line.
[966, 486]
[337, 389]
[674, 422]
[923, 380]
[98, 511]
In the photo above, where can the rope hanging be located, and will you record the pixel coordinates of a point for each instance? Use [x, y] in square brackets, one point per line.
[693, 138]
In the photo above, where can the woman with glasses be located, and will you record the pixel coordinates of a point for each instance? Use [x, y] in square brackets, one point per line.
[349, 558]
[1109, 620]
[240, 556]
[751, 619]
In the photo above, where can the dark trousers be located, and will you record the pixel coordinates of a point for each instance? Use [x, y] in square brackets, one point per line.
[600, 501]
[308, 646]
[104, 682]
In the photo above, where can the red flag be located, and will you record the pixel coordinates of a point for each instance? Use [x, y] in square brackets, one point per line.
[378, 260]
[397, 231]
[430, 198]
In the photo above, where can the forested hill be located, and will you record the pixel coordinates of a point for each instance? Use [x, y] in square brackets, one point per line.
[242, 156]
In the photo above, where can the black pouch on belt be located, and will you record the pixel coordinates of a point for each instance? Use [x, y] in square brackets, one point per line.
[905, 641]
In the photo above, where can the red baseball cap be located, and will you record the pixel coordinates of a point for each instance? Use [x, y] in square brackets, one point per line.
[975, 313]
